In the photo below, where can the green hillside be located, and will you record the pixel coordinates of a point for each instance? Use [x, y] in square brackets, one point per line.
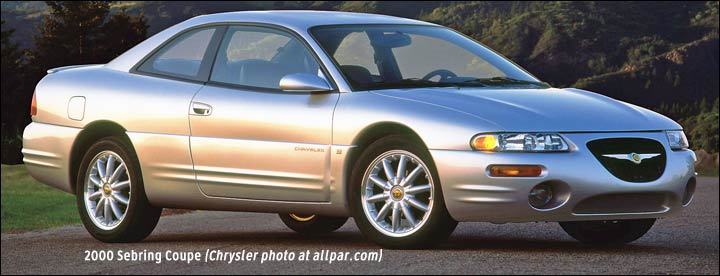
[660, 55]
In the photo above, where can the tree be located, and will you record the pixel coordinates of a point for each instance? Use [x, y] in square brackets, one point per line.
[81, 32]
[11, 62]
[84, 33]
[120, 33]
[11, 92]
[70, 29]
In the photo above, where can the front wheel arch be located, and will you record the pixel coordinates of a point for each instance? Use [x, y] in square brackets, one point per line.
[438, 225]
[368, 136]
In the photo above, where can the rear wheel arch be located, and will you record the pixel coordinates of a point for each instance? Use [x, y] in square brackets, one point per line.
[91, 133]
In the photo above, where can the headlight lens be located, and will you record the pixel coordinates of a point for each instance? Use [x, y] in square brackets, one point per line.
[519, 142]
[677, 139]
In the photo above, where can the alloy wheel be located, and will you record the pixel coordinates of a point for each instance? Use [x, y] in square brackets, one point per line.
[397, 193]
[107, 190]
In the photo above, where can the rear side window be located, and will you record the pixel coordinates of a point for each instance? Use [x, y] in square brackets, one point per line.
[259, 57]
[183, 57]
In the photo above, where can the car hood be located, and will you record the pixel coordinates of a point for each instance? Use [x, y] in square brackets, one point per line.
[556, 110]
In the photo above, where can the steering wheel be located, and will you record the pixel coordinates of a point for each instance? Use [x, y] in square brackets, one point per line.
[444, 75]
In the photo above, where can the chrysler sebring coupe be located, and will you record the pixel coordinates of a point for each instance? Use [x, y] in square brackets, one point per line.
[406, 126]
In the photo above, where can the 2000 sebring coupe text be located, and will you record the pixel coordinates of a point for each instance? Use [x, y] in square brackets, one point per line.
[406, 126]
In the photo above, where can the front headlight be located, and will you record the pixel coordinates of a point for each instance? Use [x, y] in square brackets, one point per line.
[677, 139]
[519, 142]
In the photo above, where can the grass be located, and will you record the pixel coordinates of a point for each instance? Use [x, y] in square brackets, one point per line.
[708, 172]
[29, 205]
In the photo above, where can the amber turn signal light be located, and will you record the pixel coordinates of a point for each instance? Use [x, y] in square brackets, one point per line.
[33, 106]
[515, 170]
[484, 142]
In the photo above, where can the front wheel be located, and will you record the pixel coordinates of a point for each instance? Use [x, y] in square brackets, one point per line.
[312, 224]
[396, 197]
[110, 194]
[607, 231]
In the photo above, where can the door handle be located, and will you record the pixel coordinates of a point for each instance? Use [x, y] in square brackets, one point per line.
[200, 109]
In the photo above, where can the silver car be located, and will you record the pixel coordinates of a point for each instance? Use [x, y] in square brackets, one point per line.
[406, 126]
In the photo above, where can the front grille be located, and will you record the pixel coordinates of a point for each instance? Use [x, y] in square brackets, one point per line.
[648, 170]
[622, 203]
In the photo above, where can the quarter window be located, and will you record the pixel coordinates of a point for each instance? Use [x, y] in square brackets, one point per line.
[260, 57]
[183, 57]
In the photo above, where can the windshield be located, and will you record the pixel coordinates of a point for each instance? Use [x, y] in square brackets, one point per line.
[402, 56]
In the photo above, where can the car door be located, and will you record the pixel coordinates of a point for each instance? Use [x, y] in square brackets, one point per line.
[154, 109]
[251, 140]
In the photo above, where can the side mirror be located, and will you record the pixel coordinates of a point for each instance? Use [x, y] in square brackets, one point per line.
[304, 82]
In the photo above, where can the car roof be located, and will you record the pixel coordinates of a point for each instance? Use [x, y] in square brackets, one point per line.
[304, 19]
[298, 21]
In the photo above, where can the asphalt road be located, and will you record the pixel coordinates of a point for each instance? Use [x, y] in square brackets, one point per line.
[683, 244]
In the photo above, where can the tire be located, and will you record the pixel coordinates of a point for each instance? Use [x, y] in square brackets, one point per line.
[129, 222]
[312, 224]
[427, 226]
[607, 232]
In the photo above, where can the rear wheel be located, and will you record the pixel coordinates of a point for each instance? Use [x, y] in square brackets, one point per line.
[607, 231]
[312, 224]
[110, 194]
[396, 196]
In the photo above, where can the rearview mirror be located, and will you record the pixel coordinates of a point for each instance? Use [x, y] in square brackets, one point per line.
[394, 40]
[304, 82]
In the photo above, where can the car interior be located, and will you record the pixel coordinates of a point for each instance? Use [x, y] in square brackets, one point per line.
[291, 58]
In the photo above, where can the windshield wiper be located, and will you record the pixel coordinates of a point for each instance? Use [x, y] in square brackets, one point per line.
[479, 82]
[502, 81]
[408, 83]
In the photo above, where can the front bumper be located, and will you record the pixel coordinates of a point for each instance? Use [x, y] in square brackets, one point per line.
[588, 190]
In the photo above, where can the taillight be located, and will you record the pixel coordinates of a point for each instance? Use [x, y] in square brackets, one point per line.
[33, 106]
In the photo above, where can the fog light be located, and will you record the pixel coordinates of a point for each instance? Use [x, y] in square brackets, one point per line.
[540, 195]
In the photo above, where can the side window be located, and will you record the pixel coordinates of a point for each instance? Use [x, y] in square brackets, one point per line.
[181, 57]
[260, 57]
